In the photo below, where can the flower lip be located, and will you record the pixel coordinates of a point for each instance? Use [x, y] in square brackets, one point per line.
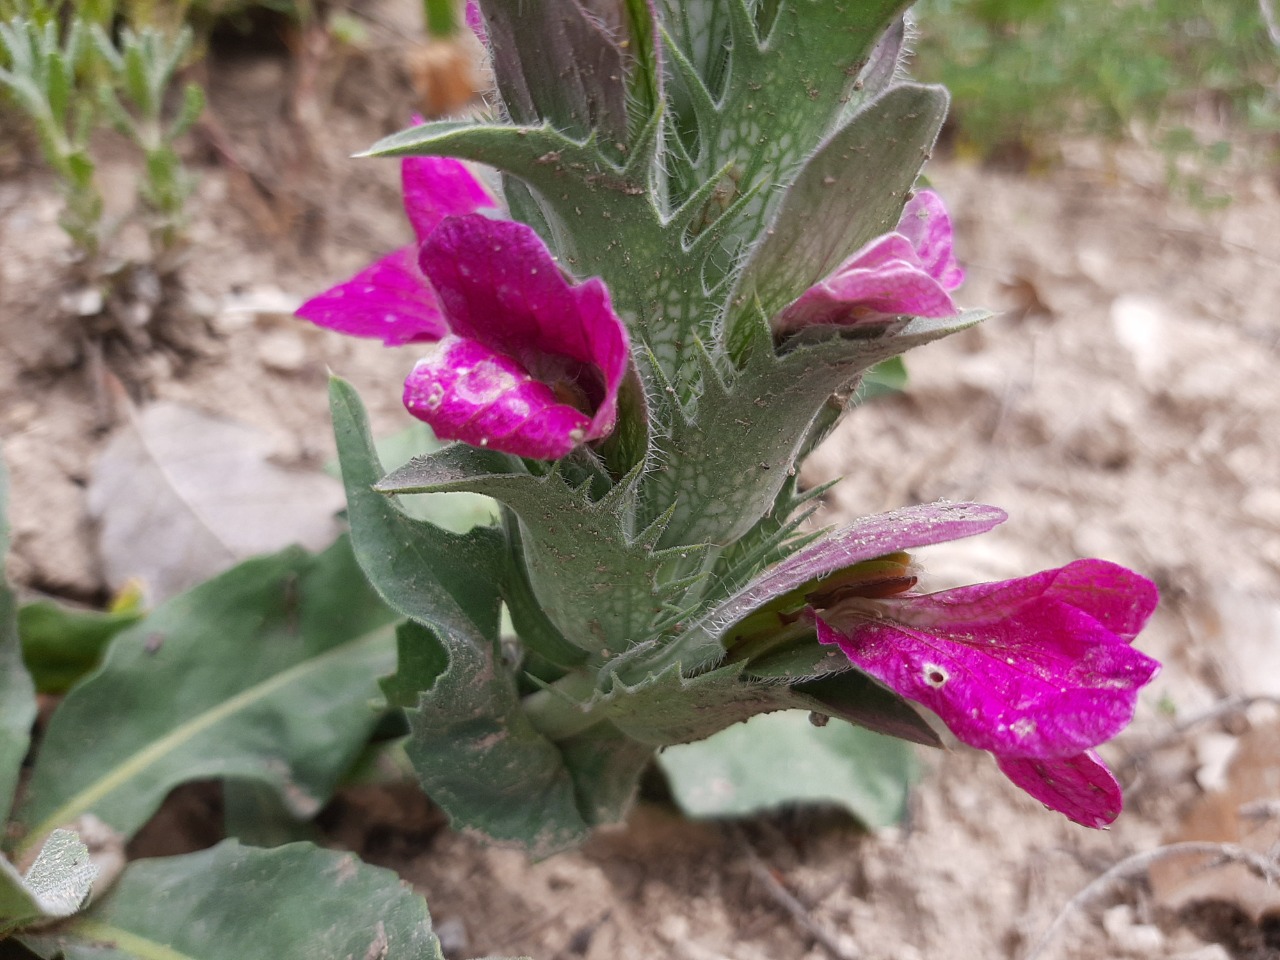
[910, 271]
[1037, 671]
[391, 300]
[1080, 787]
[1031, 667]
[438, 187]
[470, 393]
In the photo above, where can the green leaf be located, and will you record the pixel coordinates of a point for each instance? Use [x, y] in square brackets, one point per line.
[781, 758]
[797, 662]
[61, 644]
[134, 78]
[55, 886]
[774, 537]
[265, 672]
[421, 658]
[776, 91]
[566, 171]
[850, 192]
[295, 902]
[17, 694]
[61, 75]
[475, 750]
[644, 85]
[885, 64]
[730, 457]
[886, 377]
[737, 448]
[482, 761]
[101, 44]
[193, 101]
[605, 765]
[455, 512]
[532, 625]
[424, 572]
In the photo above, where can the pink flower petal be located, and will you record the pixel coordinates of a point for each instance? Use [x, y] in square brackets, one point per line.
[501, 288]
[439, 187]
[1081, 787]
[390, 300]
[908, 272]
[1022, 668]
[886, 281]
[927, 225]
[467, 392]
[1119, 599]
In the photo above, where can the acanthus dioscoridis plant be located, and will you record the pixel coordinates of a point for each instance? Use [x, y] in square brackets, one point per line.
[707, 228]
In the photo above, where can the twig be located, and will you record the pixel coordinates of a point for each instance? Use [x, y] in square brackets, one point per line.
[1261, 810]
[787, 900]
[1221, 241]
[1134, 867]
[1225, 708]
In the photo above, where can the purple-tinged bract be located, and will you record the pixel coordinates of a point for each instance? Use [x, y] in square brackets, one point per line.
[475, 21]
[865, 539]
[911, 271]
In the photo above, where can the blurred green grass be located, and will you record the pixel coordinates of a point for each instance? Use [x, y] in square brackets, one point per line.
[1193, 77]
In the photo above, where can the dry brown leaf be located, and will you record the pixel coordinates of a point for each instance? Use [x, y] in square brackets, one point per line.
[1229, 895]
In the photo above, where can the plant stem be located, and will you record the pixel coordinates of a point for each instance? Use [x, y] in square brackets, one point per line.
[564, 708]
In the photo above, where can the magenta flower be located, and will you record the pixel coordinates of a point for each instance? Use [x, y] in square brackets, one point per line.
[910, 271]
[1037, 670]
[533, 363]
[524, 361]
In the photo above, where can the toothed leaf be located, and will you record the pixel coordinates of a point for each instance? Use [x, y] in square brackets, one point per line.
[474, 749]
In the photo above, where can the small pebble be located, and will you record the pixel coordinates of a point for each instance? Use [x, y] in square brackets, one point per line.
[283, 351]
[1124, 930]
[454, 941]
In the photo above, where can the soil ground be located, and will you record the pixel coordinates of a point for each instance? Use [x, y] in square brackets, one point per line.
[1122, 404]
